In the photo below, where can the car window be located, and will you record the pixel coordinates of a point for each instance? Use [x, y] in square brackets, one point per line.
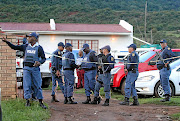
[178, 70]
[146, 56]
[177, 53]
[175, 64]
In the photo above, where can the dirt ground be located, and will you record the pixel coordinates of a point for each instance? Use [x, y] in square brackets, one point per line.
[115, 112]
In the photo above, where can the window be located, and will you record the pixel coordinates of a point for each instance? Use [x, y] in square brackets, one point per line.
[175, 64]
[146, 56]
[77, 44]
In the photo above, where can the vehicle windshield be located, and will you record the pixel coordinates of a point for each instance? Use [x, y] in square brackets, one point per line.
[146, 56]
[174, 64]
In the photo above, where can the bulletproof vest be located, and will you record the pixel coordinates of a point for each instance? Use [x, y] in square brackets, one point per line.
[105, 60]
[135, 66]
[31, 54]
[53, 62]
[160, 64]
[65, 61]
[86, 59]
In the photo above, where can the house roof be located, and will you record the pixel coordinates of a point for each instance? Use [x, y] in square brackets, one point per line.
[61, 27]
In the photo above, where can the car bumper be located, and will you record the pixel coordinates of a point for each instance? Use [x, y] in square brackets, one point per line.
[145, 88]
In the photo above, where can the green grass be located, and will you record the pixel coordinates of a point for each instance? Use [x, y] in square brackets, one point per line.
[14, 110]
[175, 101]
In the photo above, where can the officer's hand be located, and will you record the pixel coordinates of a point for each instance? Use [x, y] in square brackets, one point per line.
[125, 70]
[37, 63]
[58, 73]
[166, 64]
[96, 77]
[99, 67]
[4, 40]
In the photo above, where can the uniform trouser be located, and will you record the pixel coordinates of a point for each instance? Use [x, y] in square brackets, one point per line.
[60, 83]
[69, 83]
[130, 84]
[89, 81]
[29, 74]
[80, 74]
[103, 79]
[164, 79]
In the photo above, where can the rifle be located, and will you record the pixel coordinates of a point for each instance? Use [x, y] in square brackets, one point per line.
[101, 64]
[161, 59]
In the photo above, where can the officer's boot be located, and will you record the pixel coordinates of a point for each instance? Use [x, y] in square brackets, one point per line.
[71, 101]
[41, 104]
[167, 98]
[96, 100]
[88, 101]
[28, 103]
[106, 103]
[65, 100]
[125, 102]
[54, 99]
[135, 102]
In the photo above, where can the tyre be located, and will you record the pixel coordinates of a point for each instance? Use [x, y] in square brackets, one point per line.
[123, 86]
[159, 92]
[46, 82]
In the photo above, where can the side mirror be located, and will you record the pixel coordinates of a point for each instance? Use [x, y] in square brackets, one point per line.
[151, 63]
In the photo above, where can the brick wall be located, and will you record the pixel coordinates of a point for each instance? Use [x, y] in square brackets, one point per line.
[7, 69]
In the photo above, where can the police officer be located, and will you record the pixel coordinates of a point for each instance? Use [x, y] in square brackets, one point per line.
[69, 65]
[31, 71]
[56, 71]
[104, 76]
[132, 76]
[90, 71]
[165, 70]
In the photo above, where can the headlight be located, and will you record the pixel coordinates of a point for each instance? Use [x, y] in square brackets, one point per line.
[115, 70]
[145, 78]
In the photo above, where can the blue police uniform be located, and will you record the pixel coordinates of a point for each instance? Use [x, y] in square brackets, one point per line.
[104, 79]
[56, 65]
[165, 72]
[90, 73]
[30, 72]
[131, 77]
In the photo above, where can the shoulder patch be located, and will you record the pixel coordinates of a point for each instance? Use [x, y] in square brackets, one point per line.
[112, 58]
[133, 54]
[169, 48]
[59, 52]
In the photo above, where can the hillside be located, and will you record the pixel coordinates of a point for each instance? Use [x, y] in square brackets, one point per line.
[163, 15]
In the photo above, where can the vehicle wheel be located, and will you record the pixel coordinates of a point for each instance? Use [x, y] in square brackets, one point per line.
[159, 92]
[123, 87]
[46, 82]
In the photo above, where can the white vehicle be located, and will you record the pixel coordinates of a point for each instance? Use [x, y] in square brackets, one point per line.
[148, 83]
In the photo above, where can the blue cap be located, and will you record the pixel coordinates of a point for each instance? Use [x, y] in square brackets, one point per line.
[34, 34]
[163, 41]
[61, 44]
[68, 45]
[106, 47]
[85, 46]
[133, 46]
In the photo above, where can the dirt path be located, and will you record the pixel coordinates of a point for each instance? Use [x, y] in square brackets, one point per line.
[115, 112]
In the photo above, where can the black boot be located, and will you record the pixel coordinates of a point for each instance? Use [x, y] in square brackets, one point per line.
[71, 101]
[54, 99]
[135, 102]
[125, 102]
[88, 101]
[96, 100]
[28, 103]
[167, 98]
[65, 100]
[106, 103]
[41, 104]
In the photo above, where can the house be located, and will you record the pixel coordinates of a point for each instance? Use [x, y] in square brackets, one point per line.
[118, 36]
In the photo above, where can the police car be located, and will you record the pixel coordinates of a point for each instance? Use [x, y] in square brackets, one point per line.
[148, 83]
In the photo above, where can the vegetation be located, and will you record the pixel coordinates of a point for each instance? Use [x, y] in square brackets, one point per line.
[163, 15]
[14, 110]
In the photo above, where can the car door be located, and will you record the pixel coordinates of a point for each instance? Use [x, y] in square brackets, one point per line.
[178, 79]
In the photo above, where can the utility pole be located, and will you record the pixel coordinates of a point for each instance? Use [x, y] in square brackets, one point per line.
[145, 37]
